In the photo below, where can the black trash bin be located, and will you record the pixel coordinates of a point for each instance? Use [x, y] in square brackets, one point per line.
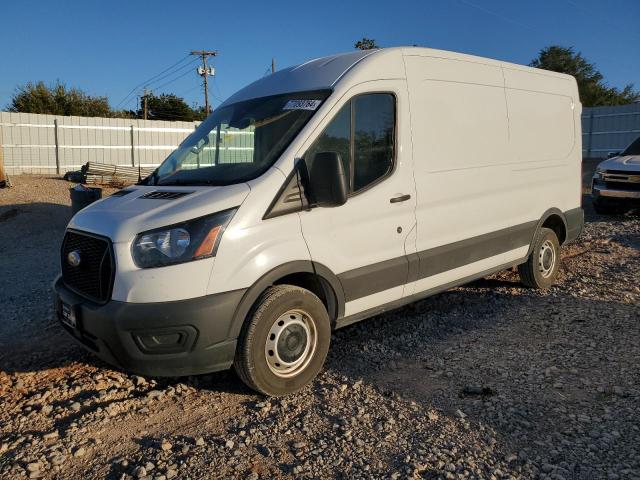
[81, 196]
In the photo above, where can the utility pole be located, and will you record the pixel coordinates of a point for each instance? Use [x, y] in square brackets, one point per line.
[144, 103]
[204, 71]
[273, 65]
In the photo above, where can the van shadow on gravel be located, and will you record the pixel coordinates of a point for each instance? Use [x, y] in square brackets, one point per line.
[537, 369]
[59, 351]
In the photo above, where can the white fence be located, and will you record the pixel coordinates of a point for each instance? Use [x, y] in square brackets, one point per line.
[50, 144]
[609, 129]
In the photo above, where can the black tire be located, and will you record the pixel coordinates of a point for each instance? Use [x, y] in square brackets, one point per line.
[602, 207]
[310, 328]
[540, 271]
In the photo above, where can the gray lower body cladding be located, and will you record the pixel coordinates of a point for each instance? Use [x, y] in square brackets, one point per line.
[371, 279]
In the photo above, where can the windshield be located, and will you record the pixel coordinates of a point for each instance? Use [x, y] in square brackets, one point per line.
[238, 142]
[633, 149]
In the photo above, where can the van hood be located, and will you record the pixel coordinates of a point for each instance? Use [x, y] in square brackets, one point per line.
[139, 208]
[627, 163]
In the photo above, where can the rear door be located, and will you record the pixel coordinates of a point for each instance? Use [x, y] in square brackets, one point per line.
[366, 241]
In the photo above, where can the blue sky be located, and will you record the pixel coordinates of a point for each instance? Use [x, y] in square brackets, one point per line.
[107, 48]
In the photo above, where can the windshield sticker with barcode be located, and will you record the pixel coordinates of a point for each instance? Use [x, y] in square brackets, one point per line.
[302, 104]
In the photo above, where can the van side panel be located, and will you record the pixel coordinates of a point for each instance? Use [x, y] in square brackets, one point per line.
[541, 126]
[488, 162]
[460, 139]
[545, 140]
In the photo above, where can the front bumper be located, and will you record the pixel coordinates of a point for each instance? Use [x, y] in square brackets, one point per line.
[602, 191]
[185, 337]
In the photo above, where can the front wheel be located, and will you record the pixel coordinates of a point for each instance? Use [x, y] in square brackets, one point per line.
[541, 268]
[284, 341]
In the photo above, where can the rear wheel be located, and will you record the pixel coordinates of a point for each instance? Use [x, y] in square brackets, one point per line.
[541, 268]
[284, 341]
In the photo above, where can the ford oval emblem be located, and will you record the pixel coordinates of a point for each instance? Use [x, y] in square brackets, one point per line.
[73, 258]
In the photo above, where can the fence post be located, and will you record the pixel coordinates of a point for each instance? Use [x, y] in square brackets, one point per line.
[590, 137]
[133, 149]
[55, 136]
[3, 177]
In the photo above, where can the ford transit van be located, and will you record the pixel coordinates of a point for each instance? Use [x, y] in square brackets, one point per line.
[319, 196]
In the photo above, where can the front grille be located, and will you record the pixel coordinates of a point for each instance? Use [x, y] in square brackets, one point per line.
[619, 172]
[635, 187]
[93, 276]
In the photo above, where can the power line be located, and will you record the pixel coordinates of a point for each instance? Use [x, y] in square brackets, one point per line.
[168, 75]
[498, 15]
[215, 84]
[164, 84]
[171, 81]
[186, 65]
[153, 78]
[601, 18]
[185, 92]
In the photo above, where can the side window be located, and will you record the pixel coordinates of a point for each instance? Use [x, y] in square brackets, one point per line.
[335, 138]
[374, 122]
[363, 133]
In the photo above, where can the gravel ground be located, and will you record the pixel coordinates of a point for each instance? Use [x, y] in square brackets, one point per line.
[491, 380]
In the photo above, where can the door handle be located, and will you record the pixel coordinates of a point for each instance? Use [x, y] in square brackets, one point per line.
[401, 198]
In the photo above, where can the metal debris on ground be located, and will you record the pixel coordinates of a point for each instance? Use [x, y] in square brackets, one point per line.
[105, 174]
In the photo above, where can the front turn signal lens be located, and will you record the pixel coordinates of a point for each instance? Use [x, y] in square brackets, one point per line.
[208, 244]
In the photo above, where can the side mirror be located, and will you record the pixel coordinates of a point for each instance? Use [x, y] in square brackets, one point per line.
[612, 154]
[327, 180]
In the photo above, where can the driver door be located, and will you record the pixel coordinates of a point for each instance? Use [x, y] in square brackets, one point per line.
[365, 242]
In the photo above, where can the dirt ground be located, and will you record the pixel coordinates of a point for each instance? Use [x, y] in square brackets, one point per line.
[490, 380]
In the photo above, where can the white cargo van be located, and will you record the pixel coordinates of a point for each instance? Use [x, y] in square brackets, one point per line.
[319, 196]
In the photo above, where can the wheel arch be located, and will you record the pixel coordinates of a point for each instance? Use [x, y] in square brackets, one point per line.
[306, 274]
[555, 219]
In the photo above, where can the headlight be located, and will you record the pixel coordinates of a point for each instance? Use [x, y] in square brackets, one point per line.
[598, 173]
[183, 242]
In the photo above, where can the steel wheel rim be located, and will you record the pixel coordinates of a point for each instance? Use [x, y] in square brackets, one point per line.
[291, 343]
[546, 259]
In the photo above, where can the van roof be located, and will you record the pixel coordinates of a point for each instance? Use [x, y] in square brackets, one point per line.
[324, 72]
[318, 74]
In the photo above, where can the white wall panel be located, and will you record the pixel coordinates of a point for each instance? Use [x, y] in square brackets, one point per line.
[28, 141]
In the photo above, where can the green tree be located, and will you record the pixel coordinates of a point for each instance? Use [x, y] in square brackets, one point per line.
[57, 99]
[199, 113]
[168, 106]
[366, 44]
[124, 114]
[593, 89]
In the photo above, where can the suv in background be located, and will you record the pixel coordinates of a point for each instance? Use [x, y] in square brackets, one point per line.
[616, 181]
